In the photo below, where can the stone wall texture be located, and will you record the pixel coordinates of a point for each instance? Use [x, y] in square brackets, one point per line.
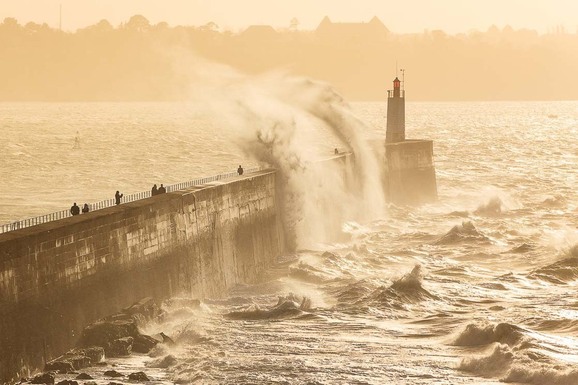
[410, 172]
[58, 277]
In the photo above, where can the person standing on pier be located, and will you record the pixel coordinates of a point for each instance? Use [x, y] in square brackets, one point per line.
[162, 189]
[117, 197]
[240, 170]
[85, 208]
[75, 210]
[154, 190]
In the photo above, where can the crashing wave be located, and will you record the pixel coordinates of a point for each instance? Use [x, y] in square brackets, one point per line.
[517, 365]
[492, 208]
[523, 248]
[514, 357]
[354, 292]
[307, 273]
[462, 233]
[560, 272]
[459, 214]
[406, 290]
[286, 307]
[563, 325]
[556, 201]
[163, 363]
[483, 334]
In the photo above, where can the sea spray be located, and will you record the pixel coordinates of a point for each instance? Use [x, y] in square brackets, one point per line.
[283, 121]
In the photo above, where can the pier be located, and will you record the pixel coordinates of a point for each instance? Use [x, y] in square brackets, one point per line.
[198, 240]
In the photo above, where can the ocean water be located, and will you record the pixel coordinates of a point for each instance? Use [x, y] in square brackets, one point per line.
[479, 287]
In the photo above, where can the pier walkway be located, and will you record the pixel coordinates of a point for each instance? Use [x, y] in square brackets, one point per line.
[28, 222]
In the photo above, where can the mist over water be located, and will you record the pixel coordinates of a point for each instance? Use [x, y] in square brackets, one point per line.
[477, 288]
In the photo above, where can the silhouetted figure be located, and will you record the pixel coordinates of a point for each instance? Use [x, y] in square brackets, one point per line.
[117, 197]
[85, 208]
[75, 210]
[240, 170]
[162, 189]
[154, 190]
[336, 151]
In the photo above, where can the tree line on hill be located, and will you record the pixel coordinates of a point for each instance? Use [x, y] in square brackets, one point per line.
[138, 61]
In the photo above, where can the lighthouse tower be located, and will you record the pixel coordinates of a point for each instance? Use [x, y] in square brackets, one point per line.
[395, 113]
[410, 176]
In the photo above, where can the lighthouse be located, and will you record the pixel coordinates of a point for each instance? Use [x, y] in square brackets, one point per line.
[410, 176]
[395, 113]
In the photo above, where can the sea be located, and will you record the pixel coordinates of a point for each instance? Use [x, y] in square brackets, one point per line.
[479, 287]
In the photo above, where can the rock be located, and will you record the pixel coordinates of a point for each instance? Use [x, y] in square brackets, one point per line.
[166, 339]
[120, 347]
[90, 383]
[103, 333]
[84, 376]
[76, 359]
[138, 376]
[95, 353]
[113, 373]
[59, 365]
[115, 383]
[145, 307]
[143, 344]
[114, 337]
[44, 378]
[67, 382]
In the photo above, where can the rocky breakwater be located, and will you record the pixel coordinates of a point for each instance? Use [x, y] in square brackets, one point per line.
[117, 335]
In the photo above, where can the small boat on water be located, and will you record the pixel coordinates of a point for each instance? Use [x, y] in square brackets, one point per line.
[76, 145]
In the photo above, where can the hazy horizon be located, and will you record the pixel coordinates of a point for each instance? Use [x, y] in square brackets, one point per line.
[152, 51]
[451, 16]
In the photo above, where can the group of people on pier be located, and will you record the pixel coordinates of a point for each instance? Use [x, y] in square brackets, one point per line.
[75, 209]
[157, 191]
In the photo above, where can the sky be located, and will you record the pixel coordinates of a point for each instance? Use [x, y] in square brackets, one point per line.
[401, 16]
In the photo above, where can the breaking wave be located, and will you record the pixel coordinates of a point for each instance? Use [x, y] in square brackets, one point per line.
[483, 334]
[523, 248]
[515, 356]
[493, 207]
[466, 232]
[556, 201]
[406, 290]
[559, 272]
[519, 365]
[290, 306]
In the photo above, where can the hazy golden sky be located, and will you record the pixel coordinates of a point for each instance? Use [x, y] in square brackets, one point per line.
[399, 16]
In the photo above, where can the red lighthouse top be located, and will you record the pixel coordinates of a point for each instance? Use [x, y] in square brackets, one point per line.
[396, 88]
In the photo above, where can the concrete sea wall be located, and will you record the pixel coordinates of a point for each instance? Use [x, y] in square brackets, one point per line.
[410, 176]
[58, 277]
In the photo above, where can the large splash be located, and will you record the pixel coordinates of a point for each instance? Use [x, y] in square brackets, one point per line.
[517, 355]
[287, 122]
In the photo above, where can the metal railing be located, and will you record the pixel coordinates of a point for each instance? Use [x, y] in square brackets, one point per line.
[111, 202]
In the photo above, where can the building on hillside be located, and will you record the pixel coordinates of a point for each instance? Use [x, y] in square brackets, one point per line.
[259, 33]
[371, 31]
